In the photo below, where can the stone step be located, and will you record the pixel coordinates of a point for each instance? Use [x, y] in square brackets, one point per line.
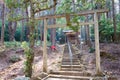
[69, 66]
[69, 59]
[71, 73]
[59, 79]
[69, 63]
[74, 56]
[64, 77]
[64, 56]
[71, 69]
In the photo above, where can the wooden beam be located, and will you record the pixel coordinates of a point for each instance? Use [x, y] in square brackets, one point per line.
[97, 51]
[57, 26]
[64, 25]
[45, 47]
[86, 23]
[81, 13]
[83, 23]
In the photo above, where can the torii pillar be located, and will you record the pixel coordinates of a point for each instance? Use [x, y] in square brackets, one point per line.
[45, 47]
[97, 48]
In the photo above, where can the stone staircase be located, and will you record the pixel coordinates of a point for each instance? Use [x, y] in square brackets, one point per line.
[78, 70]
[68, 71]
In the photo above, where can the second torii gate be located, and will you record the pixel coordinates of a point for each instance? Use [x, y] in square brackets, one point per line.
[82, 13]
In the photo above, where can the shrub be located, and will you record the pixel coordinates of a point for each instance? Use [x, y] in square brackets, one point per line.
[12, 44]
[14, 59]
[91, 50]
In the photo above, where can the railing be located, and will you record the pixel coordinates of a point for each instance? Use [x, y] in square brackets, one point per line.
[70, 52]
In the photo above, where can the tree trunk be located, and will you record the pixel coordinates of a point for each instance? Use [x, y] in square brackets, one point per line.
[12, 29]
[22, 31]
[27, 33]
[30, 54]
[41, 31]
[88, 34]
[3, 24]
[119, 6]
[114, 21]
[108, 3]
[53, 31]
[85, 27]
[53, 34]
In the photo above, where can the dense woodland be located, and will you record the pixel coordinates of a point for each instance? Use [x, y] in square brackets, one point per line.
[19, 27]
[15, 15]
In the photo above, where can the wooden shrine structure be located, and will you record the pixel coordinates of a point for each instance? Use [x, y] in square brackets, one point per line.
[82, 13]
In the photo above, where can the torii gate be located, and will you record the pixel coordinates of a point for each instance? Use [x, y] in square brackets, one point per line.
[82, 13]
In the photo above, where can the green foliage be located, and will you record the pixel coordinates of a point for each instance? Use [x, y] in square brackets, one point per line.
[118, 17]
[25, 46]
[13, 3]
[76, 22]
[65, 7]
[18, 34]
[28, 62]
[29, 56]
[91, 50]
[101, 3]
[118, 26]
[106, 30]
[13, 45]
[14, 59]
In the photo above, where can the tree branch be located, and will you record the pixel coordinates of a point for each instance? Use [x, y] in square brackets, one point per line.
[36, 2]
[52, 6]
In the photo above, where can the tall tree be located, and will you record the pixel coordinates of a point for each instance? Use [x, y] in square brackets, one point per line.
[119, 6]
[108, 6]
[22, 31]
[88, 34]
[3, 23]
[53, 31]
[35, 7]
[12, 16]
[27, 32]
[23, 25]
[114, 21]
[12, 28]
